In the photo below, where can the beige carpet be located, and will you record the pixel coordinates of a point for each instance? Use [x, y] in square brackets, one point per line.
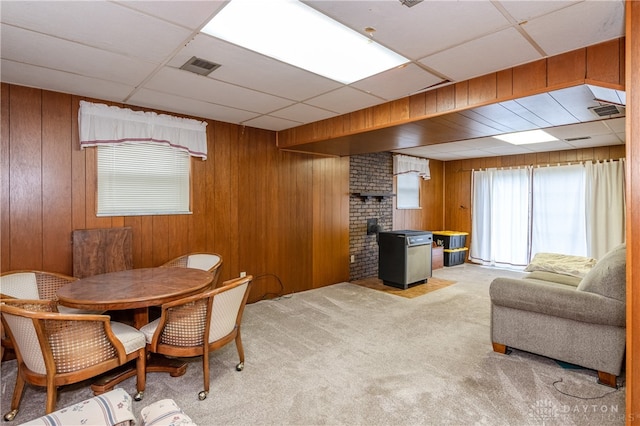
[432, 284]
[344, 355]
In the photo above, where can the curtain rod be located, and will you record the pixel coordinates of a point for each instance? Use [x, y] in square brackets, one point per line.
[565, 163]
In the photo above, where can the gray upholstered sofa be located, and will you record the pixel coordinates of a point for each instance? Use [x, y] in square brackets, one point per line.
[578, 321]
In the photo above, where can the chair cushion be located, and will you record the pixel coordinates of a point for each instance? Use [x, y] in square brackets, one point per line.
[21, 285]
[202, 261]
[149, 329]
[164, 412]
[608, 277]
[109, 409]
[131, 338]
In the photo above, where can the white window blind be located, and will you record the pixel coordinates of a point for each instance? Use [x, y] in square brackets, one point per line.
[142, 179]
[408, 191]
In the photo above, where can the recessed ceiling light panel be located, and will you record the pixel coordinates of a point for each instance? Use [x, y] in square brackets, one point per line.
[297, 34]
[528, 137]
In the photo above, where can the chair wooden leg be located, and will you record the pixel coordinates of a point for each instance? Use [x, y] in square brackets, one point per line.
[607, 379]
[499, 347]
[141, 374]
[52, 396]
[205, 370]
[17, 397]
[240, 349]
[202, 395]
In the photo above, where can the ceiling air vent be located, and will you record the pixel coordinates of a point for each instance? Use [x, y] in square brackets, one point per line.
[607, 110]
[578, 138]
[410, 3]
[199, 66]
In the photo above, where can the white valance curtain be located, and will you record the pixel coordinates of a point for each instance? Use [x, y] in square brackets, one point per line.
[102, 124]
[407, 164]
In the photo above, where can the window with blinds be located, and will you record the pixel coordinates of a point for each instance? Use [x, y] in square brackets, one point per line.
[142, 179]
[408, 191]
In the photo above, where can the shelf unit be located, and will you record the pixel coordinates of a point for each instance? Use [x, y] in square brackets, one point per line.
[364, 196]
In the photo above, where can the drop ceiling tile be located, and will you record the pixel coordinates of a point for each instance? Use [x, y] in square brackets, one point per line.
[242, 67]
[529, 119]
[527, 10]
[547, 146]
[594, 141]
[616, 124]
[157, 100]
[507, 150]
[32, 76]
[547, 109]
[484, 143]
[302, 113]
[187, 84]
[424, 29]
[451, 146]
[490, 115]
[37, 49]
[100, 24]
[270, 123]
[190, 14]
[582, 24]
[397, 82]
[344, 100]
[591, 128]
[617, 97]
[450, 157]
[496, 51]
[577, 100]
[471, 153]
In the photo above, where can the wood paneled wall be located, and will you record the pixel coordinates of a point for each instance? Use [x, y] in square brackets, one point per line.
[457, 177]
[280, 216]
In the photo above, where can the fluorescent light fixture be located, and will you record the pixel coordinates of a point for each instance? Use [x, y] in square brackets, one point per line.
[297, 34]
[528, 137]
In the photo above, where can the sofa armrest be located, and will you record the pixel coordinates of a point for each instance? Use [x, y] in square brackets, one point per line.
[557, 300]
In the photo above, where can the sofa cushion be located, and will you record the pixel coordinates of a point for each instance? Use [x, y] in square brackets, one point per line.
[109, 409]
[608, 276]
[164, 413]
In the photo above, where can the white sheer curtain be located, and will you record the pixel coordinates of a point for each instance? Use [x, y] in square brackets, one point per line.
[558, 210]
[500, 219]
[575, 209]
[605, 206]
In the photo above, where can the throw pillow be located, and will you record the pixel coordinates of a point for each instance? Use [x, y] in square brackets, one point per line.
[608, 278]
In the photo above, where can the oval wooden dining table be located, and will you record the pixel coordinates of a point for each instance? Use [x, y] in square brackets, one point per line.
[136, 290]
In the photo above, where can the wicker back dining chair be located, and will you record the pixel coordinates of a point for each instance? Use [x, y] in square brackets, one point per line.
[28, 284]
[210, 262]
[32, 285]
[55, 349]
[199, 324]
